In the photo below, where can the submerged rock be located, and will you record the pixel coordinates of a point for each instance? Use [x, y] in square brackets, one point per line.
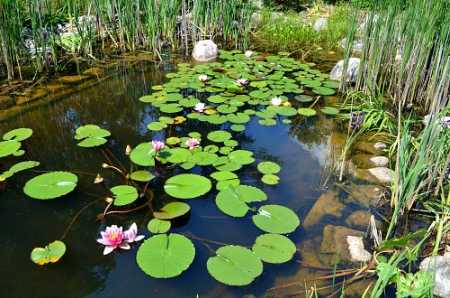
[352, 70]
[342, 244]
[377, 175]
[359, 219]
[6, 102]
[204, 51]
[440, 267]
[320, 24]
[327, 204]
[366, 195]
[366, 161]
[371, 148]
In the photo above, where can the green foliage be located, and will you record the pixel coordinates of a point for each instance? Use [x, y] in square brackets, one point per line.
[172, 210]
[418, 285]
[49, 254]
[274, 248]
[50, 185]
[124, 195]
[276, 219]
[187, 186]
[158, 226]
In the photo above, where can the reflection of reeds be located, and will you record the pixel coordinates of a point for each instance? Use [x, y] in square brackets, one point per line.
[124, 25]
[406, 52]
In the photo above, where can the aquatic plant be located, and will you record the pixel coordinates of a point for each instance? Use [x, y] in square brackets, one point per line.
[51, 253]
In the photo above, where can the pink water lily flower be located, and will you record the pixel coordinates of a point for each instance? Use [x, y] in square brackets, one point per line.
[113, 237]
[242, 82]
[192, 143]
[131, 234]
[200, 107]
[158, 146]
[276, 101]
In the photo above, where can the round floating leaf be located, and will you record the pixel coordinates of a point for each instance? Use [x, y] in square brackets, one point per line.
[268, 167]
[173, 140]
[274, 248]
[9, 148]
[187, 186]
[91, 135]
[156, 126]
[52, 253]
[19, 167]
[158, 226]
[329, 111]
[18, 134]
[276, 219]
[287, 111]
[143, 155]
[234, 265]
[203, 158]
[178, 155]
[325, 91]
[243, 157]
[237, 127]
[233, 200]
[165, 256]
[304, 98]
[141, 176]
[171, 108]
[219, 136]
[92, 142]
[50, 185]
[307, 112]
[270, 179]
[172, 210]
[124, 195]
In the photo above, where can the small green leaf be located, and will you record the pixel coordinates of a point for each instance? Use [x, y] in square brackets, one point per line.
[124, 195]
[158, 226]
[52, 253]
[274, 248]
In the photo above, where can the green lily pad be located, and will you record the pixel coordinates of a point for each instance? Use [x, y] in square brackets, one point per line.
[233, 200]
[274, 248]
[172, 210]
[276, 219]
[9, 148]
[225, 179]
[268, 167]
[158, 226]
[270, 179]
[324, 91]
[19, 167]
[18, 134]
[235, 265]
[156, 126]
[124, 195]
[329, 111]
[141, 176]
[51, 253]
[50, 185]
[91, 135]
[219, 136]
[187, 186]
[178, 155]
[143, 155]
[307, 112]
[203, 158]
[243, 157]
[165, 256]
[304, 98]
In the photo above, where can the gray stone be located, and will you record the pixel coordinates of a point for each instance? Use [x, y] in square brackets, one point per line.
[366, 161]
[352, 70]
[357, 251]
[205, 50]
[440, 267]
[384, 175]
[366, 195]
[320, 24]
[327, 204]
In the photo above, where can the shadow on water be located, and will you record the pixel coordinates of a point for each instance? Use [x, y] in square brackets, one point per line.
[302, 149]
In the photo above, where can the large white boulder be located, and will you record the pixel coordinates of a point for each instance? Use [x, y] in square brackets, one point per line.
[205, 50]
[440, 267]
[352, 70]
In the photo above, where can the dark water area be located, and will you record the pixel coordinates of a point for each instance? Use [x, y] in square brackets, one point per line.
[302, 148]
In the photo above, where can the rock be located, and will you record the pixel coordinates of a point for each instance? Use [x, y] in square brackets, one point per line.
[440, 267]
[335, 246]
[72, 79]
[320, 24]
[366, 195]
[327, 204]
[368, 147]
[357, 251]
[378, 175]
[204, 51]
[366, 161]
[6, 102]
[359, 219]
[357, 46]
[352, 70]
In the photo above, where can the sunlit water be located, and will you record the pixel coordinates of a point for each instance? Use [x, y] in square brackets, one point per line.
[301, 148]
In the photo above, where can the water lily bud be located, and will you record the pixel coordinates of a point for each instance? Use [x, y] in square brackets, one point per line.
[98, 179]
[105, 165]
[109, 200]
[128, 150]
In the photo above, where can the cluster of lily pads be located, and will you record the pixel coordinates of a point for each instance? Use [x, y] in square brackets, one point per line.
[227, 95]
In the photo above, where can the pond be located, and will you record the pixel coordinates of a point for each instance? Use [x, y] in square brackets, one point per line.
[303, 148]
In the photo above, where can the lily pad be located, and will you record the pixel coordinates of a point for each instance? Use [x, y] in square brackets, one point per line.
[233, 200]
[51, 253]
[307, 112]
[178, 155]
[270, 179]
[18, 134]
[187, 186]
[276, 219]
[329, 111]
[158, 226]
[141, 176]
[225, 179]
[235, 265]
[19, 167]
[143, 155]
[325, 91]
[91, 136]
[268, 167]
[172, 210]
[165, 256]
[274, 248]
[124, 195]
[9, 148]
[219, 136]
[243, 157]
[50, 185]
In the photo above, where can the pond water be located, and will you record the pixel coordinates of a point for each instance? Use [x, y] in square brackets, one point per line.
[302, 148]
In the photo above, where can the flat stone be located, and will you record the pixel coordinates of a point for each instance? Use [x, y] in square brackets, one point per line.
[378, 175]
[335, 246]
[357, 251]
[352, 70]
[366, 161]
[327, 204]
[359, 219]
[366, 195]
[73, 79]
[6, 101]
[440, 267]
[371, 148]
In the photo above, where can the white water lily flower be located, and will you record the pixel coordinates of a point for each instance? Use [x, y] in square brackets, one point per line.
[203, 78]
[276, 101]
[248, 54]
